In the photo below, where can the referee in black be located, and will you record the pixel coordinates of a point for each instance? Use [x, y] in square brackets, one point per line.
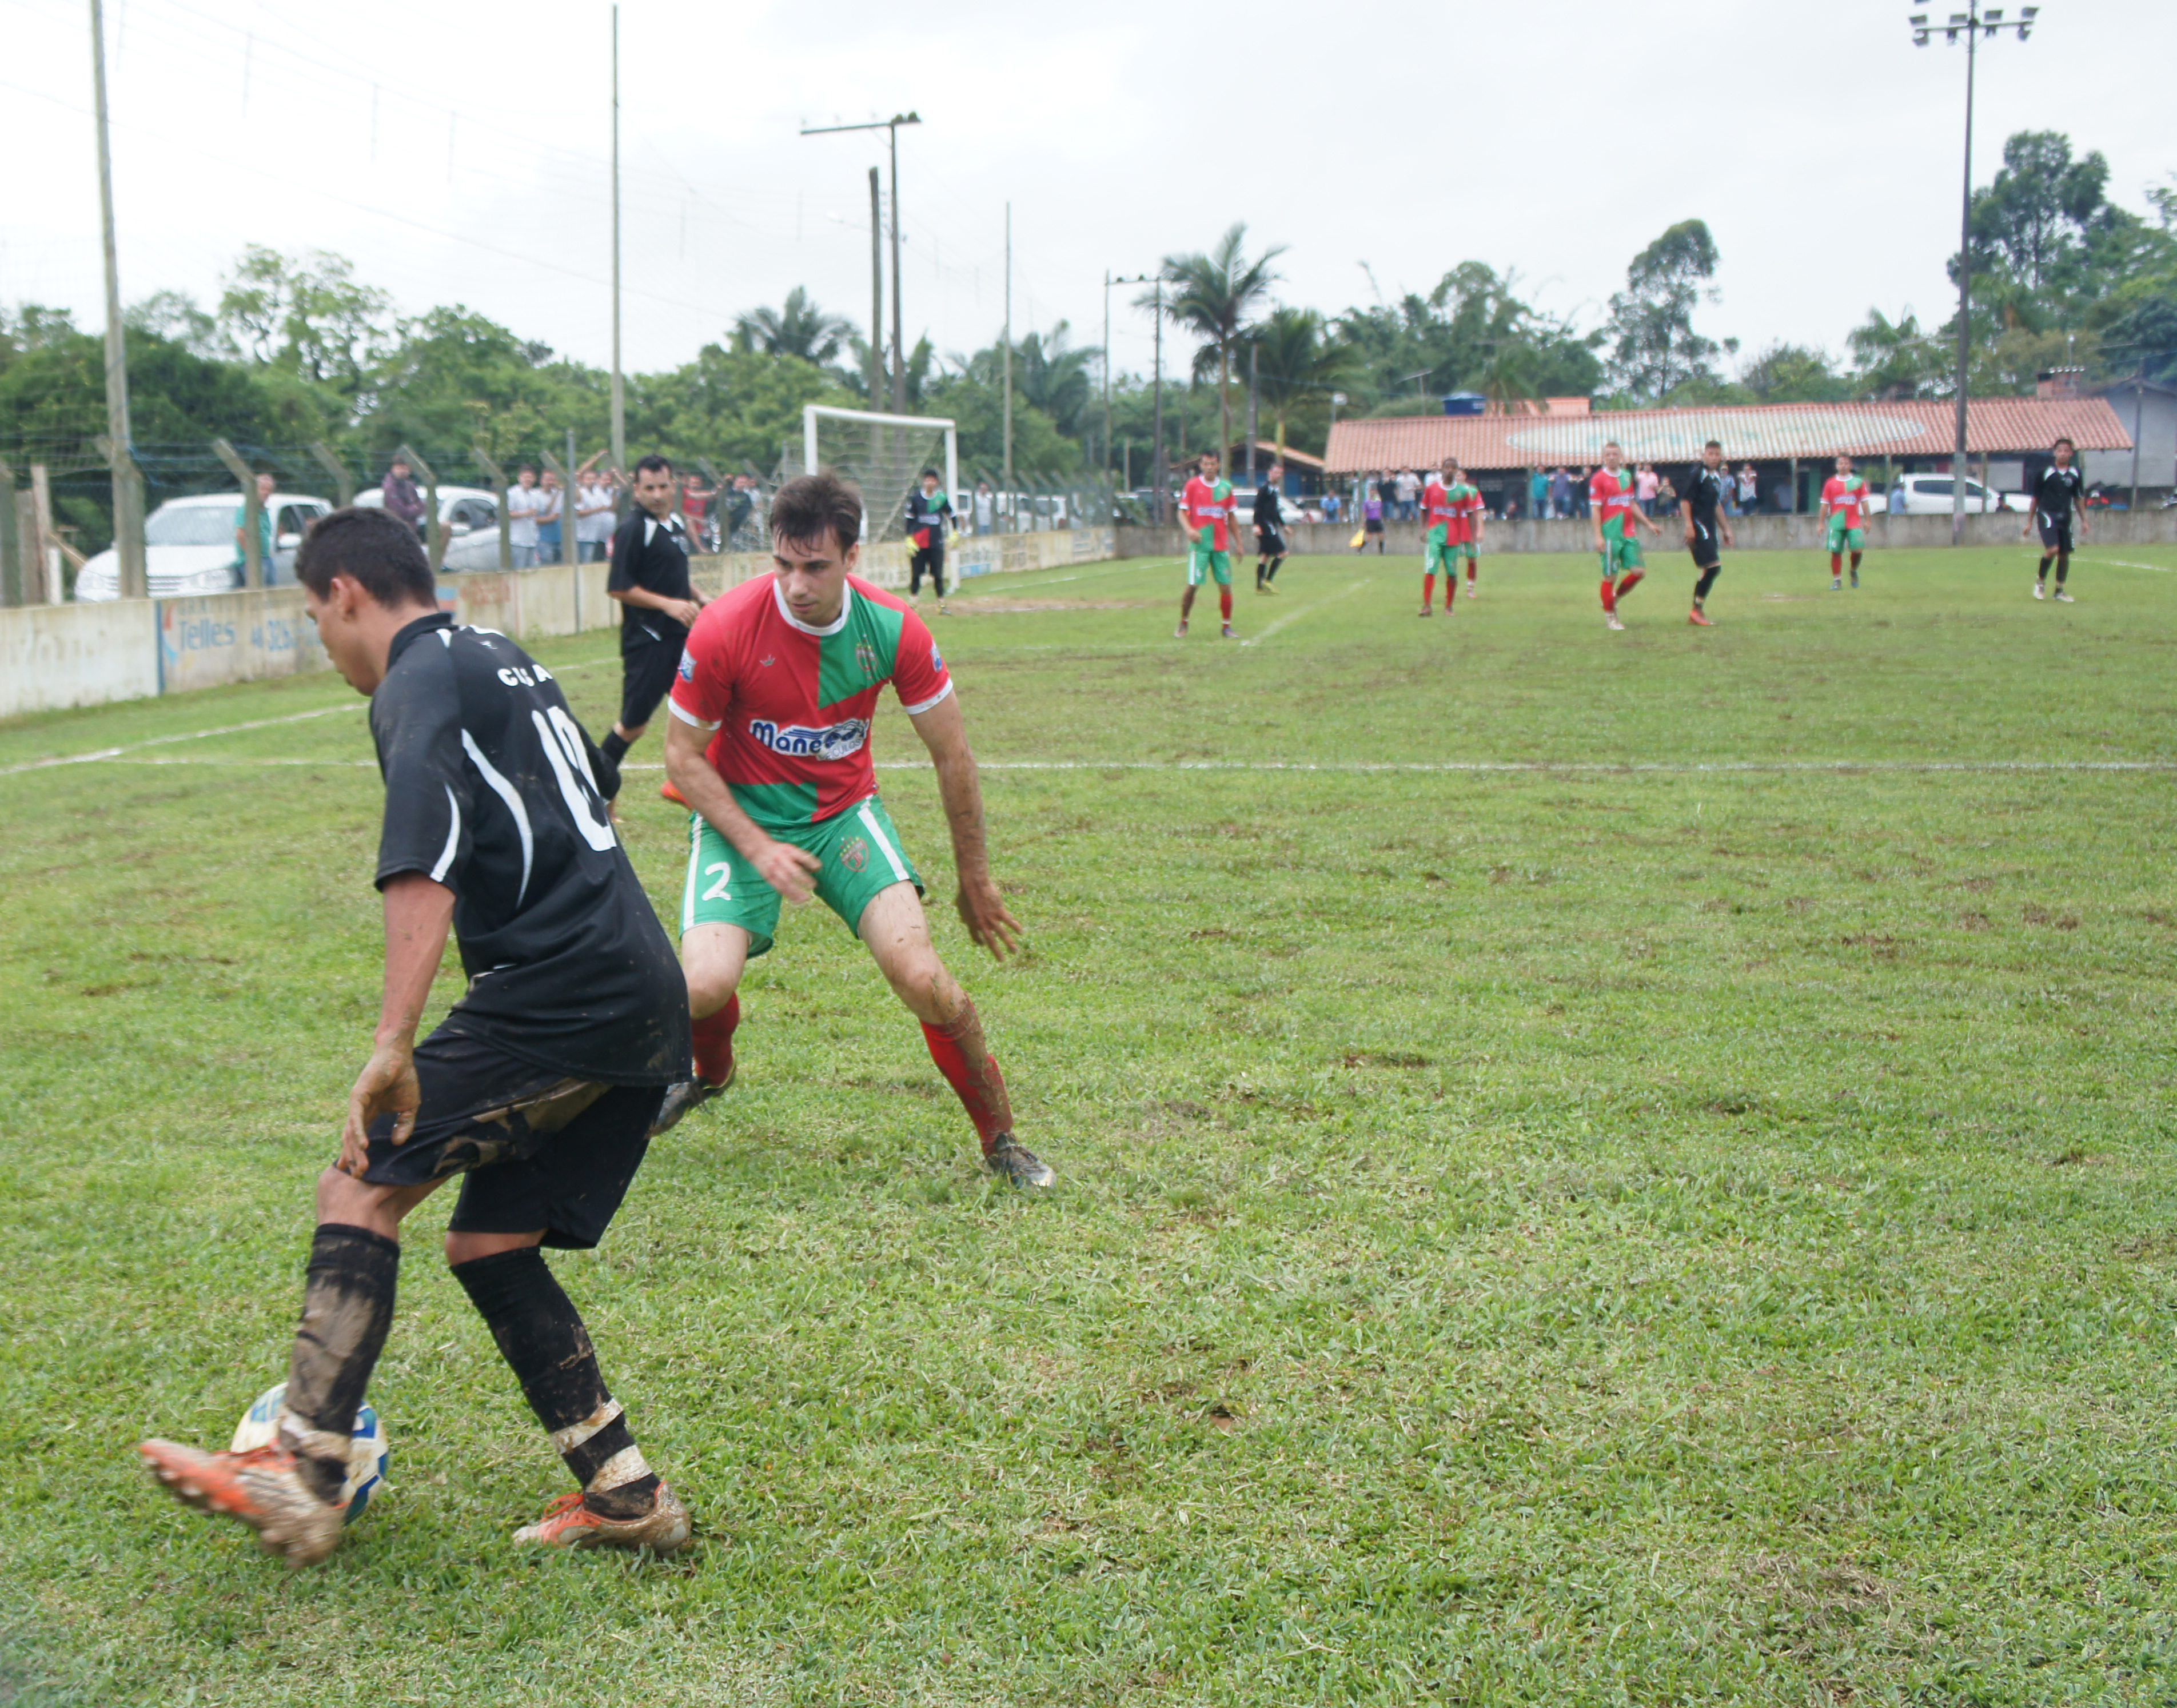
[536, 1092]
[658, 605]
[2059, 494]
[1706, 518]
[1270, 529]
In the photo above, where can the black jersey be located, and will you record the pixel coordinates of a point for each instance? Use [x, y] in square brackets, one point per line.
[1702, 492]
[1268, 516]
[653, 555]
[493, 790]
[2056, 491]
[931, 513]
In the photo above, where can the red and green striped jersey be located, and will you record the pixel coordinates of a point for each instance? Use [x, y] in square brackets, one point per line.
[1207, 504]
[1439, 512]
[792, 705]
[1471, 504]
[1846, 496]
[1611, 497]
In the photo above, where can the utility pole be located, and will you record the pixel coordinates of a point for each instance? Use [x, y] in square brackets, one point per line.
[1971, 24]
[127, 482]
[877, 288]
[891, 126]
[1007, 342]
[619, 379]
[1107, 371]
[1254, 377]
[1156, 441]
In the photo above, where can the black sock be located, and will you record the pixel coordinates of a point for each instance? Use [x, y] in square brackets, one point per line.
[1707, 581]
[2063, 567]
[348, 1308]
[541, 1336]
[2042, 574]
[1276, 563]
[613, 746]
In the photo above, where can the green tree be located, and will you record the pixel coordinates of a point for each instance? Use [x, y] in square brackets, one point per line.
[1794, 373]
[1896, 359]
[2143, 340]
[799, 328]
[1655, 350]
[731, 406]
[309, 315]
[1297, 364]
[1472, 332]
[453, 378]
[2034, 221]
[1212, 295]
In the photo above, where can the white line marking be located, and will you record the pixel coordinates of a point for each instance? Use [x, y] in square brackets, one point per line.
[2158, 568]
[1295, 616]
[1084, 576]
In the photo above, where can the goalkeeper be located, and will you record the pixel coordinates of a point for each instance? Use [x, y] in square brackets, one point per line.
[929, 513]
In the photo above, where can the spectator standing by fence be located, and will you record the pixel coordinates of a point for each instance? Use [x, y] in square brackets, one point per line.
[265, 484]
[1561, 493]
[1538, 493]
[1749, 490]
[398, 489]
[548, 519]
[524, 503]
[593, 514]
[1646, 486]
[1330, 507]
[987, 507]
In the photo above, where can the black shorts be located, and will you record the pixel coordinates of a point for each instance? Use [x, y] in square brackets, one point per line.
[2056, 531]
[645, 677]
[1705, 556]
[535, 1148]
[928, 559]
[1374, 525]
[1270, 543]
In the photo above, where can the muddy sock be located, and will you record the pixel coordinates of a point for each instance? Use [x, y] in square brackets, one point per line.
[541, 1336]
[348, 1308]
[2063, 567]
[957, 1048]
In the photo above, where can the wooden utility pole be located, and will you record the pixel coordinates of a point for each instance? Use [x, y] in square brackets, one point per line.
[568, 554]
[434, 528]
[343, 482]
[498, 484]
[619, 379]
[876, 286]
[11, 541]
[128, 479]
[253, 545]
[1008, 342]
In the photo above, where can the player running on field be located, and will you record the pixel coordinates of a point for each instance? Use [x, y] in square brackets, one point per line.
[538, 1088]
[929, 513]
[1704, 504]
[1269, 528]
[1443, 517]
[1844, 506]
[769, 739]
[1205, 512]
[2058, 495]
[649, 578]
[1618, 521]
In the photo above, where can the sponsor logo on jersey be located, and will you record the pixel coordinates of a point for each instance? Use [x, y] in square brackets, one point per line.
[769, 662]
[855, 853]
[798, 741]
[936, 662]
[687, 665]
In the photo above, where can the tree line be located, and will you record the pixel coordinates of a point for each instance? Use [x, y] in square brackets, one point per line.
[298, 349]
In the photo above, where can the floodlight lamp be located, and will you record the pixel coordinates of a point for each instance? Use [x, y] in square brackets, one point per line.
[1919, 38]
[2023, 32]
[2026, 14]
[1918, 20]
[1958, 18]
[1993, 16]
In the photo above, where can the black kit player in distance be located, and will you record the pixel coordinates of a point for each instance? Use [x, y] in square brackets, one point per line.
[929, 513]
[1270, 547]
[537, 1089]
[658, 604]
[1707, 518]
[769, 741]
[2058, 495]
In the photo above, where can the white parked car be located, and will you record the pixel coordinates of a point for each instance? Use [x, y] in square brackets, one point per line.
[190, 548]
[471, 514]
[1930, 495]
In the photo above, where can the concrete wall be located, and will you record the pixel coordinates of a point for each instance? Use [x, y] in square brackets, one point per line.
[52, 657]
[1763, 533]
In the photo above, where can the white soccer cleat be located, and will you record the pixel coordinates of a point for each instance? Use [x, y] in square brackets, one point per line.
[2039, 591]
[2065, 599]
[1611, 622]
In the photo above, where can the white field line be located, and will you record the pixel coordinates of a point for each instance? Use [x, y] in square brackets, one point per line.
[2126, 563]
[101, 754]
[1295, 616]
[1366, 767]
[1119, 569]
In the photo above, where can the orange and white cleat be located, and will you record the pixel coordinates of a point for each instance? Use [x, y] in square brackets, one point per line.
[568, 1523]
[666, 791]
[1698, 620]
[263, 1487]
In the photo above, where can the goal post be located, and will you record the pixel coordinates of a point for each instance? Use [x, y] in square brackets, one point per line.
[883, 455]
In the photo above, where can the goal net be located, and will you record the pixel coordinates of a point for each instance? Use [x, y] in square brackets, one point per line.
[884, 456]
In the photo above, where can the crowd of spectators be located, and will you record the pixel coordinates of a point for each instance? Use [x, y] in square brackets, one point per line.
[1560, 493]
[537, 510]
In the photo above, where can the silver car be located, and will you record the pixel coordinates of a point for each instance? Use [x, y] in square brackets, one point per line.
[471, 515]
[1930, 495]
[190, 548]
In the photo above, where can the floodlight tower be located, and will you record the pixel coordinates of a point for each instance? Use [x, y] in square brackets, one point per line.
[1971, 24]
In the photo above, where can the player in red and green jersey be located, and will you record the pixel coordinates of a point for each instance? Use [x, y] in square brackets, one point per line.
[1205, 514]
[1474, 511]
[1618, 521]
[1844, 506]
[1443, 517]
[769, 740]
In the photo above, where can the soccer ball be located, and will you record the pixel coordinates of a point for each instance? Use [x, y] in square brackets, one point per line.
[367, 1454]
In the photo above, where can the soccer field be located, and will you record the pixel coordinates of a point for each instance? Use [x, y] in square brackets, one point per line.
[1593, 1168]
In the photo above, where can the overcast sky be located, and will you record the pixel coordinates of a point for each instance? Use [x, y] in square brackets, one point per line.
[453, 158]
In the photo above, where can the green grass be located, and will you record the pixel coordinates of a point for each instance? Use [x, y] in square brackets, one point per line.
[1607, 1231]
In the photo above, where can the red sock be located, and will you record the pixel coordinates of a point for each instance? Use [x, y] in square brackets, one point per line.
[1836, 564]
[1610, 596]
[1225, 602]
[1630, 579]
[1428, 588]
[972, 1071]
[714, 1042]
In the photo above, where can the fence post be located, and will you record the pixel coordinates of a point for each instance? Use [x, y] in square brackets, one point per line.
[131, 578]
[435, 527]
[506, 516]
[44, 579]
[11, 541]
[342, 485]
[568, 554]
[719, 487]
[252, 547]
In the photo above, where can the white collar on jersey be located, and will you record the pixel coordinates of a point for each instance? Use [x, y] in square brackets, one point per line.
[840, 622]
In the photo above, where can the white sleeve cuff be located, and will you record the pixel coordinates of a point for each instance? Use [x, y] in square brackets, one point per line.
[936, 699]
[686, 716]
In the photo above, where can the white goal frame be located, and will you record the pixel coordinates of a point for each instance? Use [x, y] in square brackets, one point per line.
[812, 412]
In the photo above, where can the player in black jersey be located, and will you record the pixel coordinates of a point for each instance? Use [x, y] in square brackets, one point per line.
[2058, 495]
[658, 604]
[1270, 529]
[929, 513]
[536, 1091]
[1702, 504]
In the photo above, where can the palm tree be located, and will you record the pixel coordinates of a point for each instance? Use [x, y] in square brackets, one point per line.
[1211, 295]
[1296, 365]
[800, 329]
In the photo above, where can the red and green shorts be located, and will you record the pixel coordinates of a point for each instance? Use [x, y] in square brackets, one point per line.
[859, 853]
[1445, 555]
[1620, 555]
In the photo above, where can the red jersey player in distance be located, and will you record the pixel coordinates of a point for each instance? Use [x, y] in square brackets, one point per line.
[769, 742]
